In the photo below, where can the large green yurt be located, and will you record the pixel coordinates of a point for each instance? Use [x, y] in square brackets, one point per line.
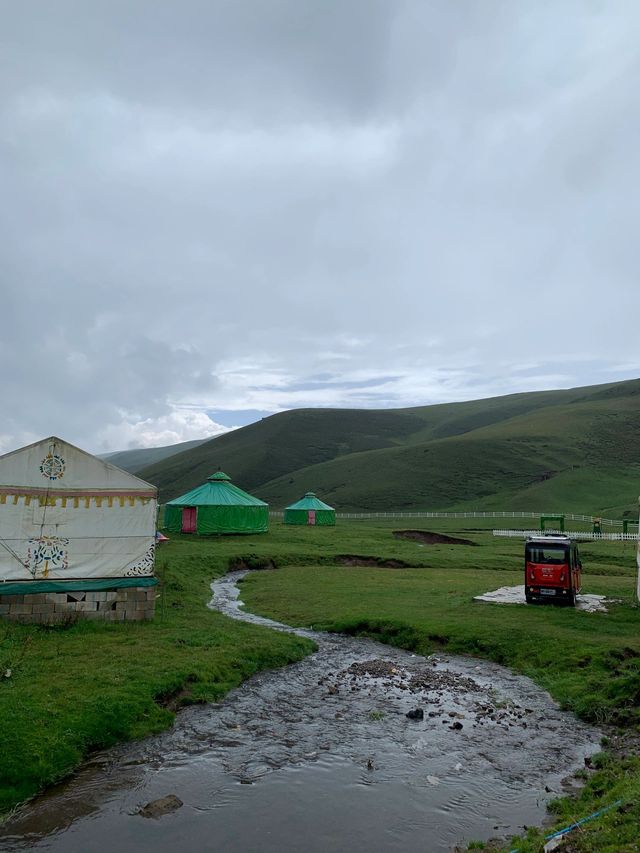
[216, 507]
[310, 510]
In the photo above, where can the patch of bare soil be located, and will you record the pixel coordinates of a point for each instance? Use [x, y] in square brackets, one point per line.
[252, 563]
[371, 562]
[427, 538]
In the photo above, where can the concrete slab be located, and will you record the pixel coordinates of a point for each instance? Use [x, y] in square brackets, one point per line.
[515, 595]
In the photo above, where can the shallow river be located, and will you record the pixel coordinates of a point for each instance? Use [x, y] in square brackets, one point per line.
[320, 756]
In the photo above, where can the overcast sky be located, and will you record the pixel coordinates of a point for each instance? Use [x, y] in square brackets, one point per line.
[215, 209]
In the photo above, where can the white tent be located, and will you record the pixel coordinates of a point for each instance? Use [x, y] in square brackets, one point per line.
[65, 514]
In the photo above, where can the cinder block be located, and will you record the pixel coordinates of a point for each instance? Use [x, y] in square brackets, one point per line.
[15, 599]
[135, 615]
[21, 609]
[4, 609]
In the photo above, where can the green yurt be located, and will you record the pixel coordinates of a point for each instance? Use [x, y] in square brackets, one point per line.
[216, 507]
[310, 510]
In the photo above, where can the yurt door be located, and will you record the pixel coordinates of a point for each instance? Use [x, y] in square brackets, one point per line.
[189, 519]
[311, 516]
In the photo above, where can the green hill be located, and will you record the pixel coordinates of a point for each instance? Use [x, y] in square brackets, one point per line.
[141, 457]
[576, 449]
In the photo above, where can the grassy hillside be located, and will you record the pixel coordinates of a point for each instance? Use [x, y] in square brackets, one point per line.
[577, 449]
[141, 457]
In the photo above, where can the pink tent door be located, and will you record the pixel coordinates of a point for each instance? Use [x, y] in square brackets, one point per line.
[311, 516]
[189, 519]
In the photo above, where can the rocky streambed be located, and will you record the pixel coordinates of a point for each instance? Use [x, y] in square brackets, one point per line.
[359, 747]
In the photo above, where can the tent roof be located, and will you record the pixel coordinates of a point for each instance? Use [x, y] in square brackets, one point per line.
[310, 501]
[217, 491]
[19, 468]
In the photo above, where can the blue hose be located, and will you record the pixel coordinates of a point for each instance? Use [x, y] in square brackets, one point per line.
[577, 823]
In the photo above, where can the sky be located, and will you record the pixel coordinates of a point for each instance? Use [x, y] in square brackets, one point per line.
[213, 210]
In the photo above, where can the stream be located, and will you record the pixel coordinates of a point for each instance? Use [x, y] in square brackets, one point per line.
[320, 756]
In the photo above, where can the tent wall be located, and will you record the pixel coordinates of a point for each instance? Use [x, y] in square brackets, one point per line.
[65, 514]
[172, 518]
[233, 519]
[325, 517]
[220, 519]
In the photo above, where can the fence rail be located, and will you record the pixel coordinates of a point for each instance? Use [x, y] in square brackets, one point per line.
[588, 519]
[572, 534]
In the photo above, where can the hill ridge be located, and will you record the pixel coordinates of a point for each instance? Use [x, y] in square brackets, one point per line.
[582, 443]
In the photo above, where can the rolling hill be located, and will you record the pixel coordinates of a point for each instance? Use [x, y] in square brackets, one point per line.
[141, 457]
[576, 449]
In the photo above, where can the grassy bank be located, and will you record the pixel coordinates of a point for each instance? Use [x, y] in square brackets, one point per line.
[72, 690]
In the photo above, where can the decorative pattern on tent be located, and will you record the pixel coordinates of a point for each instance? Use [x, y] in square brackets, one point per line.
[144, 566]
[71, 499]
[52, 466]
[47, 553]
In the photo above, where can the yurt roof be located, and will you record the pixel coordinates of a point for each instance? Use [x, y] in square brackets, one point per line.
[217, 491]
[310, 501]
[17, 468]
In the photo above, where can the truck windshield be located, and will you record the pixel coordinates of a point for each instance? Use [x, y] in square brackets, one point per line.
[546, 554]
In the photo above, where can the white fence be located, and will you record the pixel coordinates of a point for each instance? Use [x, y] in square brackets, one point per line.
[572, 534]
[569, 516]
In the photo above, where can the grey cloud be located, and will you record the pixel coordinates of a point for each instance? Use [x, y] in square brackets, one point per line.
[211, 204]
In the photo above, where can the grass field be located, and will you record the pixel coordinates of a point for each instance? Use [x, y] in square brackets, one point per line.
[75, 689]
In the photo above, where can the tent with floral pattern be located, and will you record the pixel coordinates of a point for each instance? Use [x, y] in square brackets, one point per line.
[67, 515]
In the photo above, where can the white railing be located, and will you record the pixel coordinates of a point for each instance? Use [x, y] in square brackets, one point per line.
[572, 534]
[569, 516]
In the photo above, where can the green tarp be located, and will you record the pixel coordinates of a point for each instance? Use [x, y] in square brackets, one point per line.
[216, 507]
[310, 510]
[30, 587]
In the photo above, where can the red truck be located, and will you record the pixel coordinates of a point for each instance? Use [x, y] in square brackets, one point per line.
[552, 570]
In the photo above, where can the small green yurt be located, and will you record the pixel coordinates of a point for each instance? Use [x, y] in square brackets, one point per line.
[310, 510]
[216, 507]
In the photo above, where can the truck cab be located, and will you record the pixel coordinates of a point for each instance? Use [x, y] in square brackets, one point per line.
[553, 571]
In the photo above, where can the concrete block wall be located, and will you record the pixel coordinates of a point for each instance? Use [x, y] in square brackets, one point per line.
[131, 604]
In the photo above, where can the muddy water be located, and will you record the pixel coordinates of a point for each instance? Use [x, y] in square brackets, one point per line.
[320, 756]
